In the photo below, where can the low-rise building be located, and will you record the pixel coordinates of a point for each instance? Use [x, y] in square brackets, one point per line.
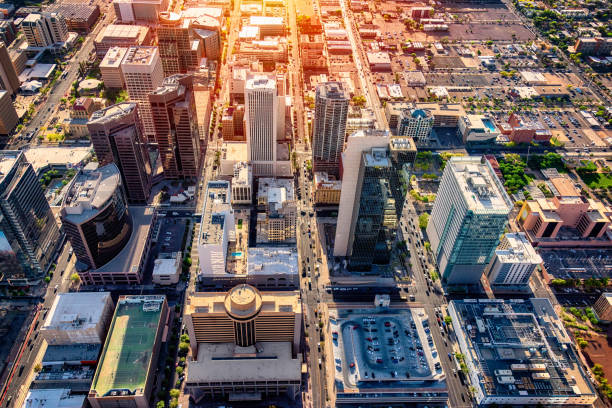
[512, 265]
[265, 51]
[594, 46]
[275, 197]
[603, 307]
[326, 189]
[80, 17]
[445, 115]
[313, 51]
[216, 228]
[522, 130]
[55, 397]
[379, 61]
[125, 375]
[119, 35]
[477, 128]
[569, 219]
[167, 268]
[242, 184]
[382, 371]
[78, 317]
[518, 352]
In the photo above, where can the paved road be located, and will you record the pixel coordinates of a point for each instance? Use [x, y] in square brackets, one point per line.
[48, 108]
[311, 295]
[409, 228]
[363, 70]
[61, 278]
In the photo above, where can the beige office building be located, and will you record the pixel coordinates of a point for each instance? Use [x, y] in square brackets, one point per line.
[245, 344]
[143, 74]
[110, 67]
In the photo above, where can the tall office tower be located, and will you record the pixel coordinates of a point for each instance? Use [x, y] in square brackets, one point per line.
[329, 127]
[176, 126]
[95, 215]
[29, 234]
[469, 216]
[352, 173]
[44, 29]
[416, 123]
[8, 76]
[8, 114]
[117, 138]
[178, 52]
[373, 226]
[206, 29]
[143, 73]
[261, 114]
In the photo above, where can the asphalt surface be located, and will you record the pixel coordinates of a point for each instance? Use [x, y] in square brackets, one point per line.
[60, 283]
[429, 299]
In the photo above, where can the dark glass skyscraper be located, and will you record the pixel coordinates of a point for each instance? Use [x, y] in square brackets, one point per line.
[29, 234]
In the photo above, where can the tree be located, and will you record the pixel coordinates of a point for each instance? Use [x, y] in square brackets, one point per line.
[448, 320]
[37, 367]
[75, 278]
[174, 393]
[160, 404]
[185, 338]
[179, 370]
[423, 220]
[183, 348]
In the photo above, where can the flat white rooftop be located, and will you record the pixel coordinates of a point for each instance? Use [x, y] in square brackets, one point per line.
[478, 184]
[272, 261]
[76, 310]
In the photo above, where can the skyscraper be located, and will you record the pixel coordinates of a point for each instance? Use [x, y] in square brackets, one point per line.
[373, 226]
[178, 51]
[8, 76]
[176, 126]
[117, 138]
[329, 127]
[29, 234]
[352, 173]
[416, 123]
[8, 114]
[95, 215]
[143, 73]
[261, 115]
[469, 216]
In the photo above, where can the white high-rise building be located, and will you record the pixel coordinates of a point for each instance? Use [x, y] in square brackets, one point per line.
[261, 115]
[44, 29]
[143, 73]
[329, 126]
[351, 160]
[514, 262]
[469, 215]
[416, 123]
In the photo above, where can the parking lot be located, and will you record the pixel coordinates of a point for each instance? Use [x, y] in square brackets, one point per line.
[578, 263]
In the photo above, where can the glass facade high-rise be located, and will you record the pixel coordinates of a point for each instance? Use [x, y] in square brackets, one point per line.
[29, 234]
[468, 218]
[374, 227]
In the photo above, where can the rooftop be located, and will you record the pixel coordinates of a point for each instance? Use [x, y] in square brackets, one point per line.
[8, 158]
[141, 55]
[265, 20]
[271, 302]
[128, 260]
[127, 356]
[260, 82]
[516, 248]
[274, 192]
[227, 362]
[76, 310]
[332, 90]
[517, 348]
[90, 191]
[384, 348]
[122, 31]
[53, 398]
[480, 187]
[64, 353]
[42, 156]
[324, 180]
[112, 112]
[216, 207]
[114, 57]
[272, 261]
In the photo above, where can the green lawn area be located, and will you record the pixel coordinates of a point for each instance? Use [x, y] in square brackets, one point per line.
[597, 180]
